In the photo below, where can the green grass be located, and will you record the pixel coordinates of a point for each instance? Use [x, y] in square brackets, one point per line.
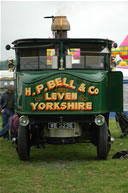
[64, 169]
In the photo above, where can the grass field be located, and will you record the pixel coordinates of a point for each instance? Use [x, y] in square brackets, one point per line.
[64, 169]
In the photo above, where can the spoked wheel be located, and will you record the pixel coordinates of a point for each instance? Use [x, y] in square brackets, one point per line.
[103, 143]
[23, 142]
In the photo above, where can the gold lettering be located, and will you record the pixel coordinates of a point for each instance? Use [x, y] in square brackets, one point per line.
[41, 106]
[60, 95]
[64, 82]
[56, 106]
[75, 106]
[39, 88]
[63, 106]
[27, 91]
[96, 91]
[91, 90]
[54, 96]
[81, 106]
[49, 106]
[70, 106]
[58, 82]
[74, 96]
[67, 96]
[88, 106]
[71, 84]
[82, 88]
[34, 106]
[51, 84]
[47, 98]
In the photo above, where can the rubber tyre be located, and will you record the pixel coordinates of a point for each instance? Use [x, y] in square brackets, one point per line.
[23, 143]
[103, 145]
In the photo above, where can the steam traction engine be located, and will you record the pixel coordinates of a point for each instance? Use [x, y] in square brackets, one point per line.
[65, 90]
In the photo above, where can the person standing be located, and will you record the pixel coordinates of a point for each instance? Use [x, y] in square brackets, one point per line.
[7, 110]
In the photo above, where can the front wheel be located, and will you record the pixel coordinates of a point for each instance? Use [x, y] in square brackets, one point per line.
[23, 142]
[103, 143]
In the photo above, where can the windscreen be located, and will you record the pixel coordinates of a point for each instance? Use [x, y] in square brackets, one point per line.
[36, 58]
[65, 54]
[86, 56]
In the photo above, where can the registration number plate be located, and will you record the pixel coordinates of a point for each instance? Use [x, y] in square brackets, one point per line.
[63, 125]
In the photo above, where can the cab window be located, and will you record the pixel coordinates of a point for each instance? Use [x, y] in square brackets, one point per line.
[38, 58]
[84, 56]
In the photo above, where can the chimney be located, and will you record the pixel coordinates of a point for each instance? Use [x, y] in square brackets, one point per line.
[60, 26]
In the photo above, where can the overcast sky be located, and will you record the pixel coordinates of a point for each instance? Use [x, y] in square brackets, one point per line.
[88, 19]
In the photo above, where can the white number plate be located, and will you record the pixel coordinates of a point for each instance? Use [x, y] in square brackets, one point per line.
[61, 125]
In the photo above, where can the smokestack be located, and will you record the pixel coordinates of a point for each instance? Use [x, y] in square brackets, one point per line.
[60, 26]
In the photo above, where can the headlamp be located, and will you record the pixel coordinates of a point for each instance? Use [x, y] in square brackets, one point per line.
[24, 120]
[99, 120]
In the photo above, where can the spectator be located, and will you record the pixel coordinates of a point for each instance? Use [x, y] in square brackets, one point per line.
[7, 110]
[4, 130]
[13, 125]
